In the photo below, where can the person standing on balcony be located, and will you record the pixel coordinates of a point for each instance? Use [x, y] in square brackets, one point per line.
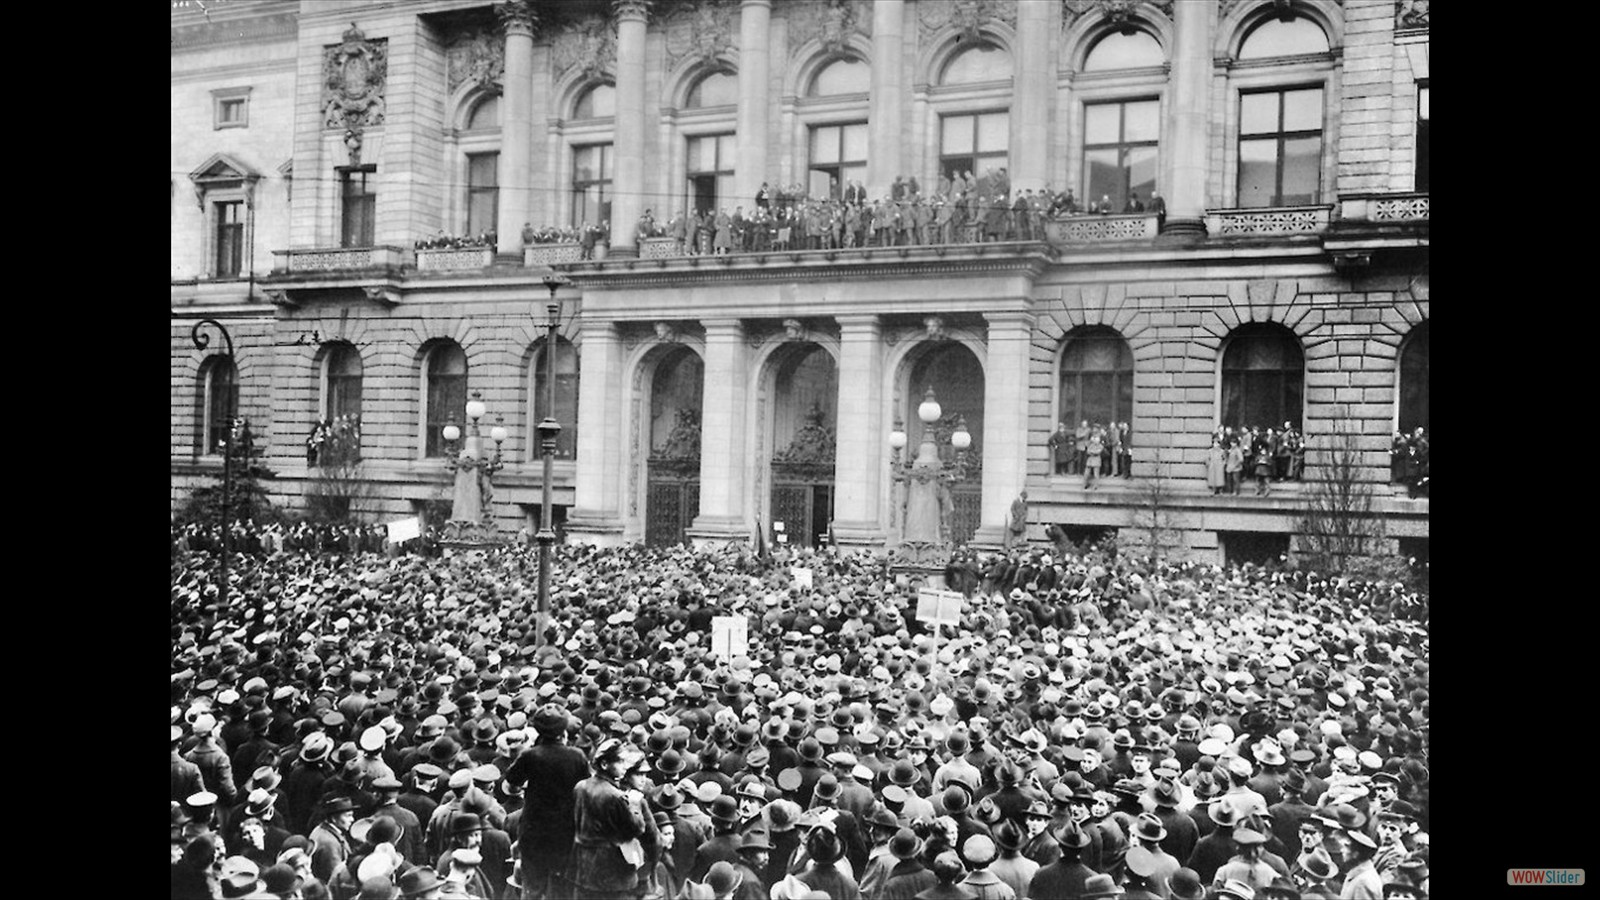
[1080, 446]
[1262, 445]
[764, 197]
[1134, 205]
[1216, 467]
[1234, 466]
[723, 240]
[1062, 447]
[1092, 458]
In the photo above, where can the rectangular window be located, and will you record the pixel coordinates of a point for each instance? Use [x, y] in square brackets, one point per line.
[975, 144]
[838, 157]
[1422, 138]
[710, 167]
[1120, 151]
[591, 184]
[229, 238]
[483, 192]
[1280, 148]
[230, 108]
[358, 206]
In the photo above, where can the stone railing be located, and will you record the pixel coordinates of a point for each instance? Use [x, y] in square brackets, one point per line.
[335, 259]
[659, 247]
[538, 255]
[1094, 229]
[1388, 207]
[449, 258]
[1269, 220]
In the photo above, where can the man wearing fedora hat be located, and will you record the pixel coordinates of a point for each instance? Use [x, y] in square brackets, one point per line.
[330, 840]
[907, 875]
[1148, 833]
[1066, 876]
[723, 845]
[825, 852]
[1182, 832]
[751, 866]
[548, 772]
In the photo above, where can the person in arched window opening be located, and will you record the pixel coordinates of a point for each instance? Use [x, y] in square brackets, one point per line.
[1096, 446]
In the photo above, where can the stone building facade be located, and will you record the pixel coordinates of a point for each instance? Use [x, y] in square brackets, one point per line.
[315, 143]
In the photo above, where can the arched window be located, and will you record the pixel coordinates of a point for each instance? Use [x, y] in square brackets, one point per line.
[1096, 377]
[566, 409]
[485, 115]
[716, 89]
[1124, 51]
[1275, 37]
[977, 64]
[1414, 380]
[596, 103]
[1263, 377]
[444, 397]
[843, 76]
[342, 382]
[219, 403]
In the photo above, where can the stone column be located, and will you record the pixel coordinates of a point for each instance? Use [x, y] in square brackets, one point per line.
[628, 178]
[1034, 99]
[755, 17]
[1183, 175]
[886, 137]
[519, 19]
[596, 515]
[1005, 420]
[862, 448]
[724, 450]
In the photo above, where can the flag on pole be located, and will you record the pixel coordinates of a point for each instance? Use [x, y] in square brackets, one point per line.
[761, 539]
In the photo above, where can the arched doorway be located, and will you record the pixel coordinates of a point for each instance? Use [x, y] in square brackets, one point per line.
[672, 493]
[805, 391]
[956, 376]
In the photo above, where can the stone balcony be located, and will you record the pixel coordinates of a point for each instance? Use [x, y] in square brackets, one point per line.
[338, 259]
[1407, 207]
[1268, 221]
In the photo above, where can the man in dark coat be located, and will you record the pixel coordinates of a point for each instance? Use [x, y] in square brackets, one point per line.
[548, 772]
[1064, 877]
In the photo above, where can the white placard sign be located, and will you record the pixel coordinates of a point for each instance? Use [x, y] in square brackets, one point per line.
[802, 578]
[730, 636]
[939, 607]
[402, 530]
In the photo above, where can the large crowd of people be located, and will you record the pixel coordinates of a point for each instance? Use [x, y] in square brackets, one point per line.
[359, 725]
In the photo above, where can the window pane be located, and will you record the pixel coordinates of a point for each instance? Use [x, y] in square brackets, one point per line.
[716, 89]
[1302, 110]
[1258, 113]
[994, 132]
[483, 169]
[855, 142]
[854, 173]
[981, 63]
[1302, 158]
[957, 136]
[585, 164]
[847, 76]
[1142, 171]
[1102, 123]
[483, 211]
[600, 101]
[1124, 51]
[825, 145]
[485, 114]
[1142, 121]
[1105, 176]
[1258, 172]
[1275, 37]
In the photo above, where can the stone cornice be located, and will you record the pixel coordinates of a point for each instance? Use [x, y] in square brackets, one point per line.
[814, 267]
[241, 29]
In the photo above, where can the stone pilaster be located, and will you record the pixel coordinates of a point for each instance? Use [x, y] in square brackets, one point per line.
[862, 447]
[1005, 420]
[628, 140]
[1183, 176]
[886, 137]
[519, 20]
[1035, 97]
[724, 448]
[755, 18]
[596, 516]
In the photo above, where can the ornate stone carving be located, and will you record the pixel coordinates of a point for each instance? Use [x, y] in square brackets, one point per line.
[517, 15]
[935, 328]
[623, 8]
[831, 22]
[589, 46]
[701, 32]
[794, 330]
[354, 74]
[667, 332]
[967, 16]
[813, 443]
[1121, 13]
[683, 442]
[1411, 13]
[478, 57]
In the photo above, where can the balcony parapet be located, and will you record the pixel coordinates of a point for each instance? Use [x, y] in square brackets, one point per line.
[1268, 221]
[1094, 229]
[1409, 206]
[452, 259]
[339, 259]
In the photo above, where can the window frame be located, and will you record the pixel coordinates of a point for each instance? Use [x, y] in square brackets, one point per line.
[567, 441]
[368, 200]
[474, 190]
[576, 189]
[1225, 384]
[1282, 137]
[216, 216]
[430, 424]
[207, 431]
[1281, 73]
[690, 174]
[1122, 379]
[1122, 145]
[835, 170]
[224, 98]
[1419, 333]
[1420, 154]
[471, 142]
[975, 158]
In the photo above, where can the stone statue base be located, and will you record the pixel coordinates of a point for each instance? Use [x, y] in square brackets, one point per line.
[461, 536]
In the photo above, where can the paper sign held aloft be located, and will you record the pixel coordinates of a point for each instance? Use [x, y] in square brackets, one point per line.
[402, 530]
[939, 607]
[802, 578]
[730, 636]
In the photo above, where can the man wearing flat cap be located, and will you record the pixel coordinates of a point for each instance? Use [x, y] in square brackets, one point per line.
[1246, 866]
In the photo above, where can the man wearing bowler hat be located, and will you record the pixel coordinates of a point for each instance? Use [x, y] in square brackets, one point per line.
[330, 840]
[1066, 876]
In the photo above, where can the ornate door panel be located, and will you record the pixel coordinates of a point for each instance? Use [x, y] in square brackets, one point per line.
[791, 505]
[672, 500]
[966, 513]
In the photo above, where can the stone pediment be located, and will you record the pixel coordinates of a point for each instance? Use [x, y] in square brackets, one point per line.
[222, 168]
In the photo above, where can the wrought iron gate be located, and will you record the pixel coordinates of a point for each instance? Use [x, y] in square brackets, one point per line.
[966, 512]
[802, 499]
[672, 500]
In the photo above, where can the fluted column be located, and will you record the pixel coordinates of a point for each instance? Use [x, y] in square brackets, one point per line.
[861, 449]
[1005, 420]
[596, 514]
[519, 19]
[723, 446]
[885, 135]
[629, 134]
[1033, 99]
[1183, 177]
[755, 18]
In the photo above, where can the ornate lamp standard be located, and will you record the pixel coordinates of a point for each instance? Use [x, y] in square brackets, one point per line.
[925, 483]
[201, 342]
[548, 430]
[471, 516]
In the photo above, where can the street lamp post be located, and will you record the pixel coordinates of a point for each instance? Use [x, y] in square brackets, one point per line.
[548, 430]
[927, 518]
[201, 342]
